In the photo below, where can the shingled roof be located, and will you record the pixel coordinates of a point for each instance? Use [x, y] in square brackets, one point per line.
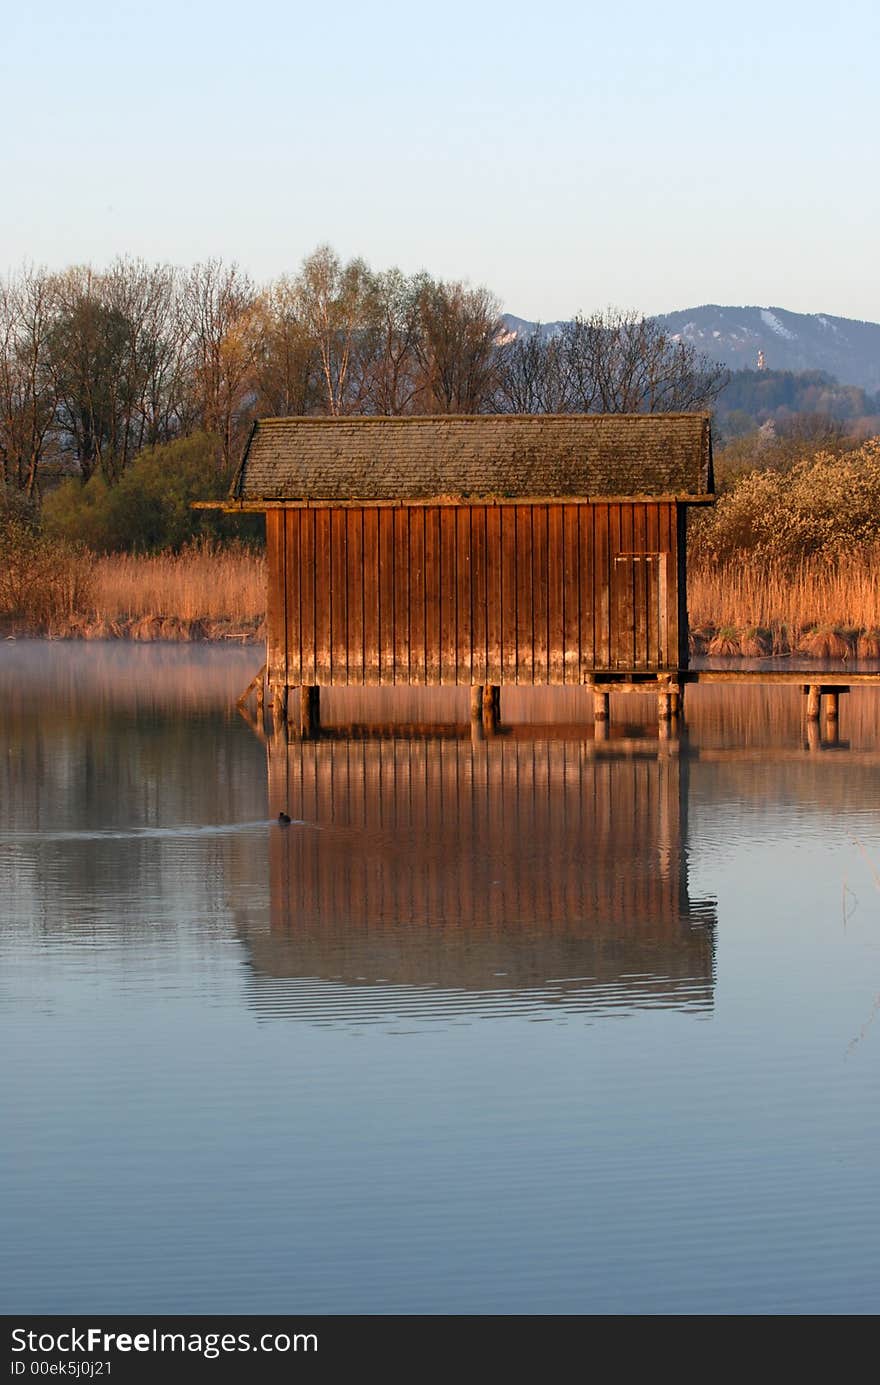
[476, 457]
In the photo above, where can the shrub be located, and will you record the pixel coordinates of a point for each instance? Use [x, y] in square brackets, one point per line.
[825, 507]
[756, 643]
[148, 509]
[825, 642]
[725, 642]
[42, 582]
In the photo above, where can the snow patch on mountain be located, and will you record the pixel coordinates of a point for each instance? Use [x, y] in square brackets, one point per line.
[774, 324]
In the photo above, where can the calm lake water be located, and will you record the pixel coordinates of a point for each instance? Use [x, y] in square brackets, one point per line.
[534, 1024]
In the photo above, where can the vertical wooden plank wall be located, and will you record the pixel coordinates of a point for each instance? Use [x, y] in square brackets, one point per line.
[445, 594]
[276, 602]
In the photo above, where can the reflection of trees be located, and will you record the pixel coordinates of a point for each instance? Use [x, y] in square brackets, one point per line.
[103, 754]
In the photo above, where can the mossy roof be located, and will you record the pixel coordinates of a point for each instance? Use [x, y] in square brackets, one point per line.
[476, 457]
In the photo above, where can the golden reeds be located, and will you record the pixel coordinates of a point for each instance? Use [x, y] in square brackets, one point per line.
[204, 592]
[831, 606]
[203, 582]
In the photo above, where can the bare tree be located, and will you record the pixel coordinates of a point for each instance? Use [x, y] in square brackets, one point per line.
[219, 311]
[333, 302]
[27, 394]
[286, 367]
[624, 362]
[533, 375]
[390, 355]
[148, 297]
[95, 366]
[456, 348]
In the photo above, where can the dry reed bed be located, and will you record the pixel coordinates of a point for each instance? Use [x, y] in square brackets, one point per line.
[830, 609]
[202, 593]
[201, 583]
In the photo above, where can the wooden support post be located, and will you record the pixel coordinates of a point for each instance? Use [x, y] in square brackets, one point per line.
[814, 739]
[491, 708]
[261, 700]
[309, 710]
[601, 704]
[279, 706]
[814, 701]
[832, 704]
[256, 685]
[600, 730]
[664, 710]
[477, 702]
[675, 704]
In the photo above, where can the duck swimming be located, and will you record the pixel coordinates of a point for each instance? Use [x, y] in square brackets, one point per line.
[283, 820]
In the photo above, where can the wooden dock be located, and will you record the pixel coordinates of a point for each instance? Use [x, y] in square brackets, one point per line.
[299, 714]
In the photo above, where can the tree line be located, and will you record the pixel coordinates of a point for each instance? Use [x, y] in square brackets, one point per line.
[96, 366]
[794, 401]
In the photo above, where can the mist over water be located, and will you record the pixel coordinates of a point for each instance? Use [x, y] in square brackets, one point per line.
[521, 1025]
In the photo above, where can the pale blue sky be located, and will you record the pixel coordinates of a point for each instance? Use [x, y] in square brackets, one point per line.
[568, 156]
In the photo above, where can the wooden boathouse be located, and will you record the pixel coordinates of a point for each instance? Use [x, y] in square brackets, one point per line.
[475, 550]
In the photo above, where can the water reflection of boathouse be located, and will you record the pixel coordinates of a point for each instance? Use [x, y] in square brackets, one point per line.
[553, 868]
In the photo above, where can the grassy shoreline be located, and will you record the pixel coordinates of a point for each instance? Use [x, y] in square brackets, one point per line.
[205, 593]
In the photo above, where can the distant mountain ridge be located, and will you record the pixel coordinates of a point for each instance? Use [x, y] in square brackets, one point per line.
[840, 346]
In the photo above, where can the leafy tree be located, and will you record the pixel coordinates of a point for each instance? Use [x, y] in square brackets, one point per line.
[93, 358]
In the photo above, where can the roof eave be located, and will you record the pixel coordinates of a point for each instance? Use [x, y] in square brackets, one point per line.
[257, 504]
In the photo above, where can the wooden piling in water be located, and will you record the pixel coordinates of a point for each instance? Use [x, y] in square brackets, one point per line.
[491, 708]
[279, 706]
[601, 705]
[309, 710]
[814, 702]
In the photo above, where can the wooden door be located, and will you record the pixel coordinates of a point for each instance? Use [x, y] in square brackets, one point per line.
[638, 612]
